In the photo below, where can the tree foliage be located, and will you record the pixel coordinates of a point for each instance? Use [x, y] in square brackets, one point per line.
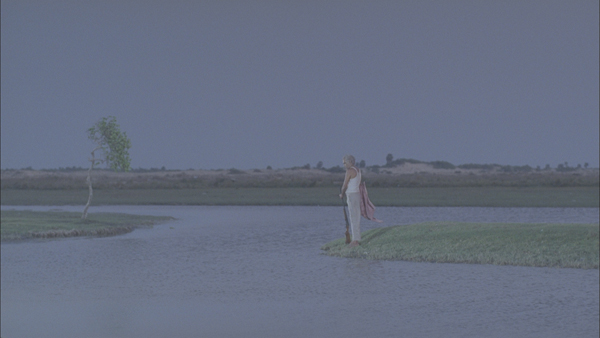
[115, 145]
[388, 159]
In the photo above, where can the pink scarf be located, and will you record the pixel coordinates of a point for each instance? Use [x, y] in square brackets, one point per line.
[367, 209]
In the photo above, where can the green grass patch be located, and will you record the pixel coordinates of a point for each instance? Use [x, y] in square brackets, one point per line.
[21, 225]
[449, 196]
[487, 197]
[541, 245]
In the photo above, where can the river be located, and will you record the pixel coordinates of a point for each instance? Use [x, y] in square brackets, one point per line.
[221, 271]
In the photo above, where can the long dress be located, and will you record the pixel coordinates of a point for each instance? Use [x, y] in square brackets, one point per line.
[353, 200]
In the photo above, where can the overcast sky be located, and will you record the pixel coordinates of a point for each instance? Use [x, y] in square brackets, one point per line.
[247, 84]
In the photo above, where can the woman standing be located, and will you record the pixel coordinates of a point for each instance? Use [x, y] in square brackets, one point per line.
[351, 189]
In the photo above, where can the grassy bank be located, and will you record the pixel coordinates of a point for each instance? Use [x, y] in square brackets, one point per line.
[448, 196]
[20, 225]
[541, 245]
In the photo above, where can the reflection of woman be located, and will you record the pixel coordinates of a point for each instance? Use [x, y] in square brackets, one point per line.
[351, 189]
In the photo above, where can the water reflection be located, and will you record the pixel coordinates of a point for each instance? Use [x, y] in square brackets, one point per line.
[258, 271]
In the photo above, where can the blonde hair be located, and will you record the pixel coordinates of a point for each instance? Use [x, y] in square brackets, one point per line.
[349, 159]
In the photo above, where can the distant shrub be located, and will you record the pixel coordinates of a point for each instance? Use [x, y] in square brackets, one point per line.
[565, 168]
[442, 165]
[516, 168]
[234, 171]
[336, 169]
[523, 168]
[142, 170]
[67, 169]
[401, 161]
[478, 166]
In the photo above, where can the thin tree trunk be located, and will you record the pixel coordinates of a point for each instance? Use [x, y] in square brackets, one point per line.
[89, 182]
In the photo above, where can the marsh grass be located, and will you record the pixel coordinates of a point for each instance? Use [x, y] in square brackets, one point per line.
[540, 245]
[457, 196]
[20, 225]
[302, 177]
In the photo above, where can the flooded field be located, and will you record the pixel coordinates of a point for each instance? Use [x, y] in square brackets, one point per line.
[258, 272]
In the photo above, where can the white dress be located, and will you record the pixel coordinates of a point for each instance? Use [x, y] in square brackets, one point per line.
[353, 200]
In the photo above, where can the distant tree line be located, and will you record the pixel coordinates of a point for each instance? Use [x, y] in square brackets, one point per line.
[390, 162]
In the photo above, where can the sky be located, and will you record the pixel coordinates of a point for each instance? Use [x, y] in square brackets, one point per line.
[250, 84]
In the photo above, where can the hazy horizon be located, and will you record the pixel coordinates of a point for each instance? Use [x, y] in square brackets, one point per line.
[251, 84]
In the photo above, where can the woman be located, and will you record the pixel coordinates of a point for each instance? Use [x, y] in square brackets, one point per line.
[351, 189]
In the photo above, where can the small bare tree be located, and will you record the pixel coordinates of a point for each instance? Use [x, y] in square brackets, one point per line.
[115, 148]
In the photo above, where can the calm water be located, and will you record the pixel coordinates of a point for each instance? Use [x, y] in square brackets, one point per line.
[258, 272]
